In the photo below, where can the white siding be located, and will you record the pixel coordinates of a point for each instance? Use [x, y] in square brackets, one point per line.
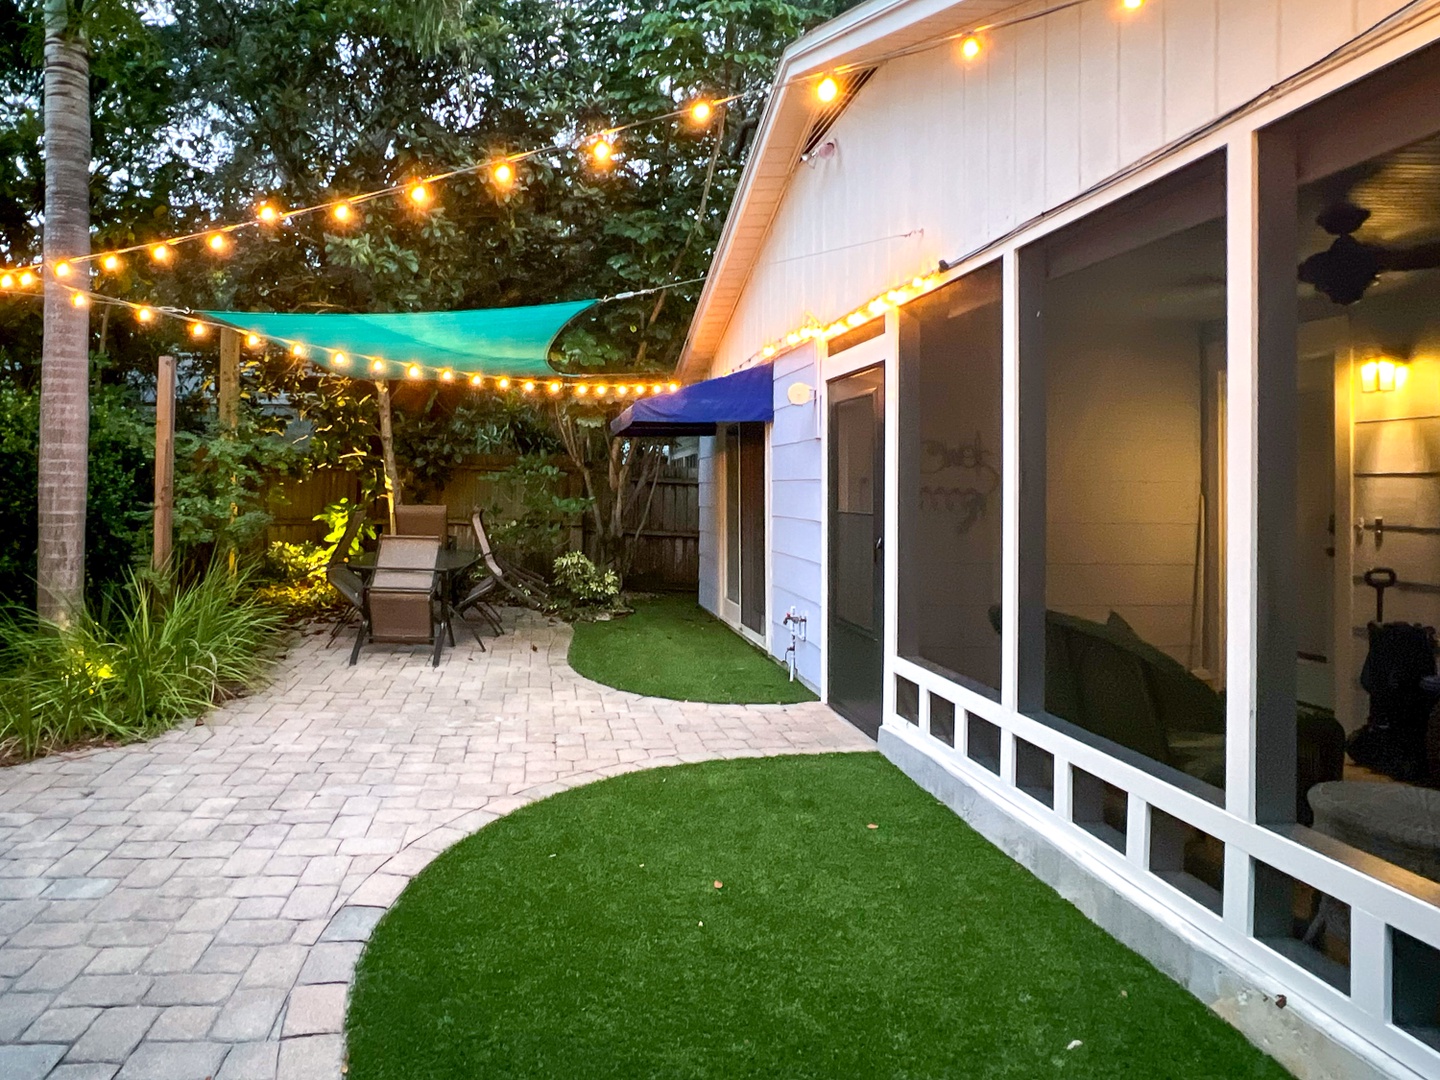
[796, 503]
[967, 152]
[709, 524]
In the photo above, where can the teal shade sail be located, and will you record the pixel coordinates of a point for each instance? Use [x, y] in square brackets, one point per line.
[512, 341]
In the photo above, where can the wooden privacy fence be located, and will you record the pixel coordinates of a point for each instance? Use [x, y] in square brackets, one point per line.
[668, 556]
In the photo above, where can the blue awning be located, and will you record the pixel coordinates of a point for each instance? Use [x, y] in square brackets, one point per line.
[745, 397]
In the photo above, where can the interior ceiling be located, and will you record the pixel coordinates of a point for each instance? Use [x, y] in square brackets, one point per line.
[1401, 190]
[1181, 278]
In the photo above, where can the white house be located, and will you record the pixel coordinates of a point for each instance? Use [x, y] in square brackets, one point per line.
[1103, 342]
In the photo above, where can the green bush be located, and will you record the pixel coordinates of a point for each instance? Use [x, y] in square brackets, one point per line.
[581, 585]
[121, 486]
[531, 520]
[292, 578]
[159, 654]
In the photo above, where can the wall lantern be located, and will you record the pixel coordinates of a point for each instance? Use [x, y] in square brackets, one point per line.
[1382, 375]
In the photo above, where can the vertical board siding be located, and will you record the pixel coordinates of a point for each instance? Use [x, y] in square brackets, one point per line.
[795, 506]
[709, 546]
[966, 152]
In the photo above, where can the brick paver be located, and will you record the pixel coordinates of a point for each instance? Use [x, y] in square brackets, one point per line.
[194, 906]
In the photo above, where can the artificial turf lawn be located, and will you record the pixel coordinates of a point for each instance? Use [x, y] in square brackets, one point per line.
[584, 936]
[673, 648]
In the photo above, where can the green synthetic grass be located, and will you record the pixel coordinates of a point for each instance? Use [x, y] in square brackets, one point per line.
[673, 648]
[584, 937]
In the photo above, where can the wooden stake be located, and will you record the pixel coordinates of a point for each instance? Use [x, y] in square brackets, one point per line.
[228, 379]
[387, 449]
[164, 462]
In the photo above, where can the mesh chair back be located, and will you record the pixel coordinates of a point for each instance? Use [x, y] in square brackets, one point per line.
[477, 522]
[421, 520]
[347, 583]
[402, 590]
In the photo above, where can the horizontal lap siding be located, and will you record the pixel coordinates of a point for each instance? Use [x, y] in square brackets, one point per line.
[795, 507]
[957, 155]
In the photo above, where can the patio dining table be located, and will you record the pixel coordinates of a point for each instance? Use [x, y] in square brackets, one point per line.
[450, 563]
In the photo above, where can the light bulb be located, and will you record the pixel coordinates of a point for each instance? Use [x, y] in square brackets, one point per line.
[413, 371]
[62, 269]
[252, 340]
[419, 194]
[970, 47]
[341, 212]
[673, 387]
[145, 314]
[581, 389]
[26, 279]
[7, 281]
[1132, 5]
[603, 149]
[554, 387]
[503, 174]
[529, 387]
[768, 351]
[377, 366]
[339, 359]
[447, 376]
[639, 389]
[701, 111]
[855, 318]
[79, 300]
[267, 214]
[657, 388]
[503, 383]
[198, 330]
[110, 263]
[476, 380]
[217, 242]
[621, 389]
[600, 389]
[827, 90]
[160, 253]
[297, 350]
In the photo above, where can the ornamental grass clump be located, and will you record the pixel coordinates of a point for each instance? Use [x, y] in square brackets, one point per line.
[160, 653]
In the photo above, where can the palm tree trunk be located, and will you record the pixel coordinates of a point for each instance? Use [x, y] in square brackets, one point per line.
[64, 372]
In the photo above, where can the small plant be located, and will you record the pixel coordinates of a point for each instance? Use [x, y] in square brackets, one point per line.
[162, 653]
[583, 586]
[292, 579]
[336, 517]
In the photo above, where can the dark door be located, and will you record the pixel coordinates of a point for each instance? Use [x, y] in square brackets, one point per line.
[857, 528]
[752, 527]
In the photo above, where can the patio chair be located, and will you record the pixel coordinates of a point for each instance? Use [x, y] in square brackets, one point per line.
[527, 587]
[478, 599]
[421, 519]
[345, 581]
[402, 603]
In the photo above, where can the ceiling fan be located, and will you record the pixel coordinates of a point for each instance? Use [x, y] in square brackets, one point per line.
[1347, 268]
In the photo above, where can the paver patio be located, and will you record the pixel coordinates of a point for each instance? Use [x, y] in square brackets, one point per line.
[194, 906]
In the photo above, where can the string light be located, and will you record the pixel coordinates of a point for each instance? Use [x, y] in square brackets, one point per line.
[620, 389]
[603, 149]
[267, 214]
[198, 330]
[110, 263]
[553, 387]
[145, 314]
[1132, 5]
[62, 269]
[342, 213]
[419, 194]
[656, 388]
[79, 300]
[413, 371]
[7, 281]
[600, 389]
[26, 279]
[581, 390]
[639, 389]
[970, 47]
[339, 359]
[252, 340]
[476, 380]
[674, 386]
[528, 387]
[503, 174]
[503, 383]
[217, 242]
[447, 375]
[160, 253]
[298, 351]
[827, 90]
[377, 366]
[701, 111]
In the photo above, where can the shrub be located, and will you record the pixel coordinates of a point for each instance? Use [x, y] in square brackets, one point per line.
[293, 580]
[160, 654]
[582, 585]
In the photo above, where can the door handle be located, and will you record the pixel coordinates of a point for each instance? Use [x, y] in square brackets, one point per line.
[879, 546]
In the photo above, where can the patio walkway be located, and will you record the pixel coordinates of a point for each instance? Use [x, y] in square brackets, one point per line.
[193, 907]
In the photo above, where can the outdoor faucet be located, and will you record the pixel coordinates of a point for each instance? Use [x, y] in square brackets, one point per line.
[795, 622]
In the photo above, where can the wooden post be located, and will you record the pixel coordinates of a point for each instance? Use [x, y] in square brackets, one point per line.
[164, 462]
[387, 448]
[227, 382]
